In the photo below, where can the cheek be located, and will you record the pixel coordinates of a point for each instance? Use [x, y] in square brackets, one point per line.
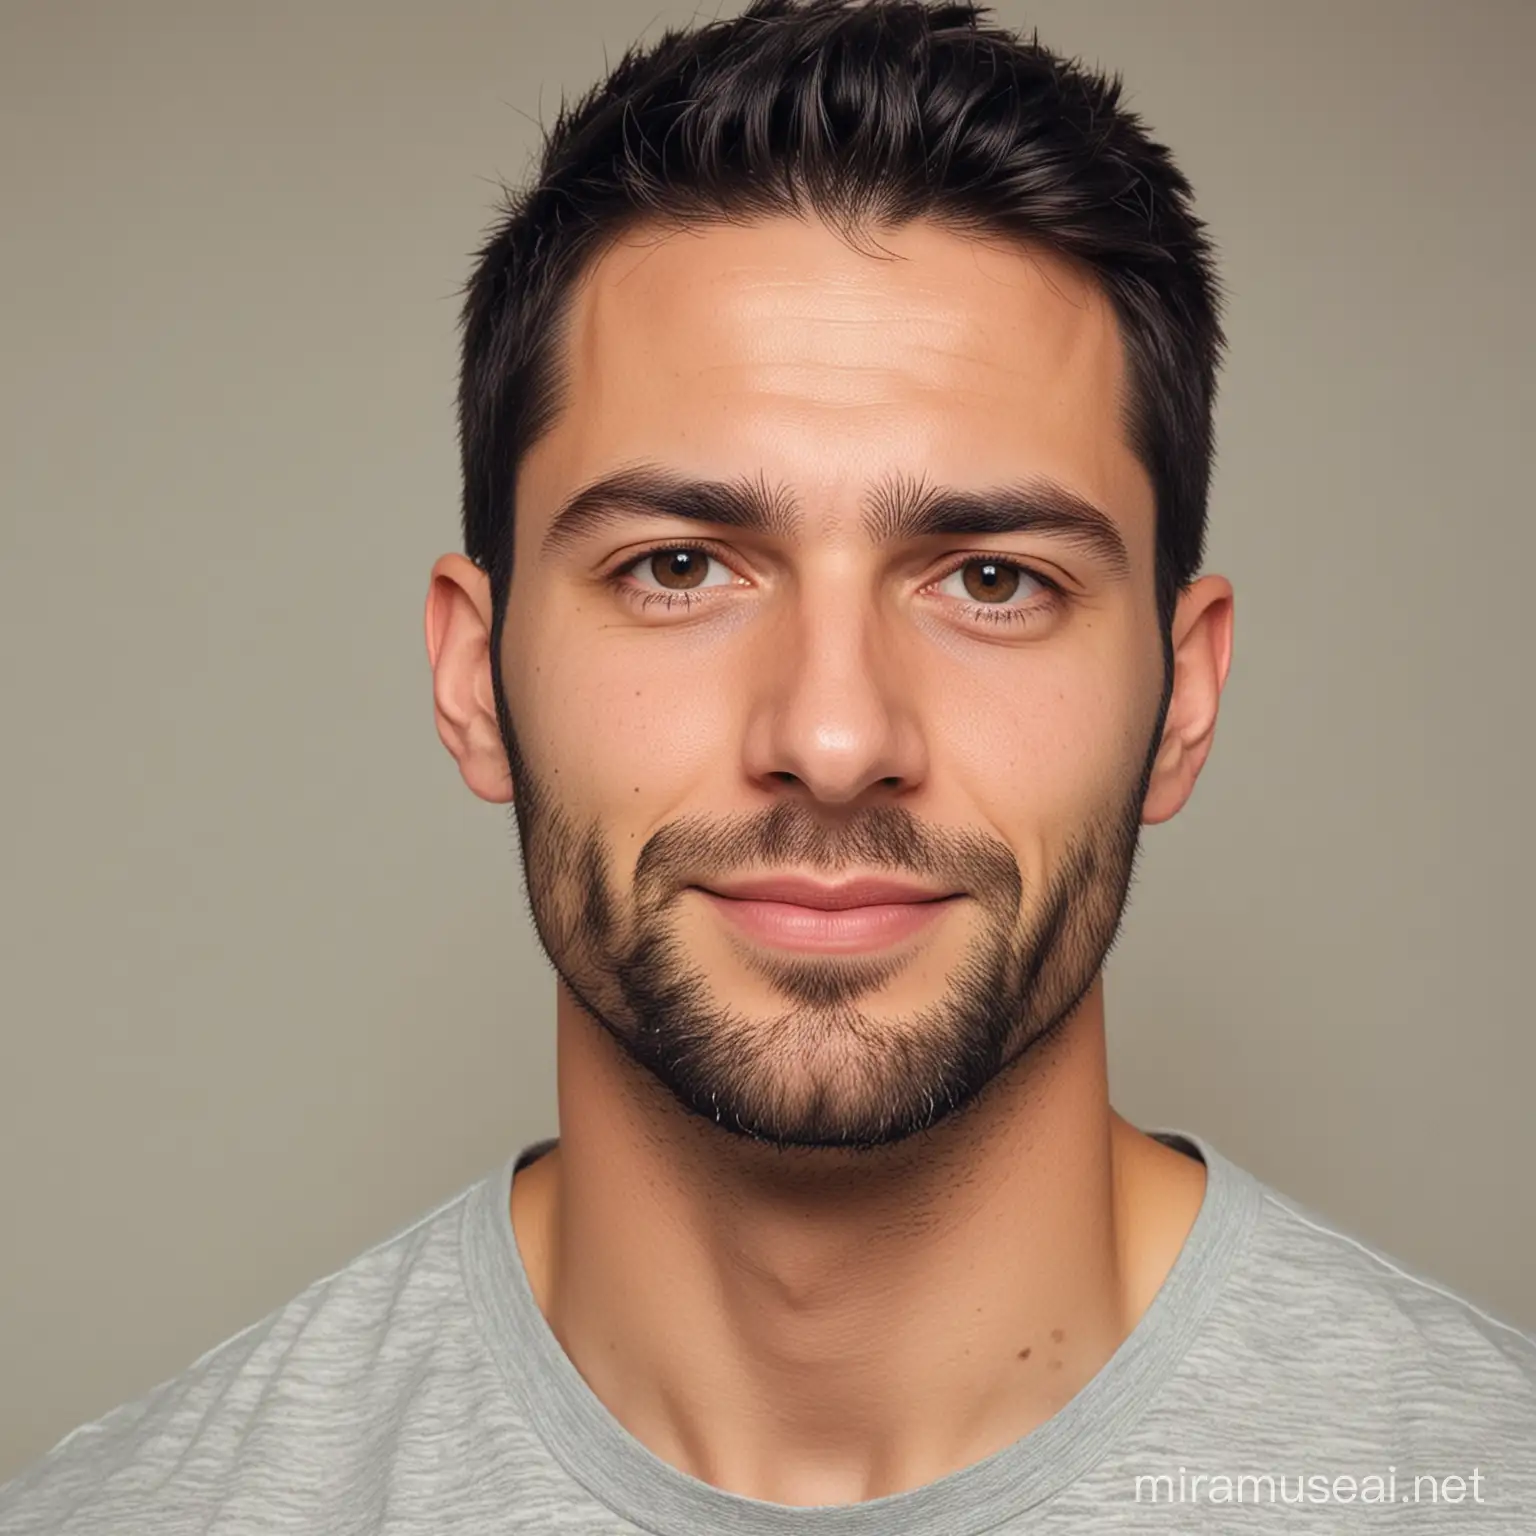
[613, 718]
[1046, 740]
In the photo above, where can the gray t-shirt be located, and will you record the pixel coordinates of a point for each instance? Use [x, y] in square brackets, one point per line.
[1283, 1367]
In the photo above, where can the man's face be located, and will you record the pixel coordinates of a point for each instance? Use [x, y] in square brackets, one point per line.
[839, 673]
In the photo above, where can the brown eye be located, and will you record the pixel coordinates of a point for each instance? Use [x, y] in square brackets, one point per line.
[679, 570]
[1000, 590]
[992, 581]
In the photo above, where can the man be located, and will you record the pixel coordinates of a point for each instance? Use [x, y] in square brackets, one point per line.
[836, 414]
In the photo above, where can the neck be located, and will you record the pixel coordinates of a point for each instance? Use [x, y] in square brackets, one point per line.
[824, 1328]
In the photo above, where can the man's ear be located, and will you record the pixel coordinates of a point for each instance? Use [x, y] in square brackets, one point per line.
[1202, 656]
[458, 626]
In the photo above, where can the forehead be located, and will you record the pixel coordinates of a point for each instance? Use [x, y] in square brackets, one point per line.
[778, 348]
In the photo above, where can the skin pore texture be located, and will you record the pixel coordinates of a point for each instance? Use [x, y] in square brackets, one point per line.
[823, 1227]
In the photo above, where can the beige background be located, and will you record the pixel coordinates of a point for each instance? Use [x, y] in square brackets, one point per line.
[269, 989]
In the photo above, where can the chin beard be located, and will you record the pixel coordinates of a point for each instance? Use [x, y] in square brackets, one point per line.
[823, 1072]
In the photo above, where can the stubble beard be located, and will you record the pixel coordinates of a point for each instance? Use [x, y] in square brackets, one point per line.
[823, 1072]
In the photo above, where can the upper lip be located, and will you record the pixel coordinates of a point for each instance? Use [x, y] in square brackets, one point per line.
[863, 892]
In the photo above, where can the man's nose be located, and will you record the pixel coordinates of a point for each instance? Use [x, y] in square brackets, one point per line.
[833, 702]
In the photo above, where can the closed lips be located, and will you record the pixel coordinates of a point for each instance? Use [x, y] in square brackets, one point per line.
[828, 898]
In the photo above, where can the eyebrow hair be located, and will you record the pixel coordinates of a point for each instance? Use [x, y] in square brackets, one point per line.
[649, 490]
[898, 509]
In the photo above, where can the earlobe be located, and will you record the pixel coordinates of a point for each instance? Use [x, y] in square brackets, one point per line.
[458, 627]
[1202, 657]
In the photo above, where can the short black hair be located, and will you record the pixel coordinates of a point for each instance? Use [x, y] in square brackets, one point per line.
[863, 113]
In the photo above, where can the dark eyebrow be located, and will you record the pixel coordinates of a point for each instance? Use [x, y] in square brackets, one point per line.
[649, 491]
[900, 509]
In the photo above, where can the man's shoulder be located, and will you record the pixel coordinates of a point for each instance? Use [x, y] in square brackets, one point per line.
[1337, 1319]
[309, 1385]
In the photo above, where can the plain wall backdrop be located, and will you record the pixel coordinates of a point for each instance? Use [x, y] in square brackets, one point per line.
[269, 986]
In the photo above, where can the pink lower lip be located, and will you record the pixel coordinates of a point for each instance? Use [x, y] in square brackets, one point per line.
[851, 928]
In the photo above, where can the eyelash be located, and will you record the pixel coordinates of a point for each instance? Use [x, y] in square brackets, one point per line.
[988, 613]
